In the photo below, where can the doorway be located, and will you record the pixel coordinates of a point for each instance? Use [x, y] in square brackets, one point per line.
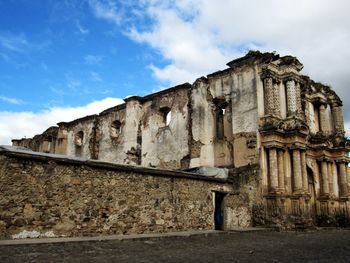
[219, 210]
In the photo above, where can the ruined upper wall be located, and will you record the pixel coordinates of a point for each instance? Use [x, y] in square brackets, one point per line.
[220, 120]
[225, 111]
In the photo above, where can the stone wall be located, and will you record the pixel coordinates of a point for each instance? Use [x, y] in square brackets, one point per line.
[164, 130]
[241, 207]
[44, 195]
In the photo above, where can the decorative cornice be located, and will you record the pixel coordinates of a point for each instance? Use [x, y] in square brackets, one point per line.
[278, 77]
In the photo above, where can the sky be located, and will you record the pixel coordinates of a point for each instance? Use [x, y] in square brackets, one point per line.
[65, 59]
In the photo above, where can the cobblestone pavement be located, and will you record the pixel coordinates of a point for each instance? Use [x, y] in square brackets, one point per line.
[316, 246]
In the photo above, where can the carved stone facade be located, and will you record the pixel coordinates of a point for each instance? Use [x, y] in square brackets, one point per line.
[260, 110]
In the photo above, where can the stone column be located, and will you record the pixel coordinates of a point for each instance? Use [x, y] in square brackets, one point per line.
[323, 118]
[281, 174]
[324, 176]
[343, 184]
[337, 118]
[304, 172]
[330, 178]
[273, 169]
[348, 178]
[298, 100]
[269, 96]
[297, 176]
[291, 97]
[276, 100]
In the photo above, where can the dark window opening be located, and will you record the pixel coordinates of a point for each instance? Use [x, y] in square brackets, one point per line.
[78, 141]
[220, 118]
[317, 117]
[116, 128]
[220, 124]
[166, 115]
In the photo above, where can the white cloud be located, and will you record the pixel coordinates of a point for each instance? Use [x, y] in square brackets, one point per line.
[106, 10]
[92, 59]
[57, 90]
[15, 125]
[73, 84]
[198, 37]
[201, 36]
[81, 29]
[175, 74]
[19, 43]
[11, 100]
[347, 128]
[5, 57]
[95, 77]
[44, 67]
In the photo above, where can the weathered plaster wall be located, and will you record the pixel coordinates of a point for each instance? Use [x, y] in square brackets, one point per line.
[245, 149]
[111, 147]
[203, 126]
[133, 139]
[57, 196]
[166, 146]
[86, 126]
[234, 92]
[244, 99]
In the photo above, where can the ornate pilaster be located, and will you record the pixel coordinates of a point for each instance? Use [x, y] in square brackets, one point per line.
[330, 178]
[291, 97]
[343, 183]
[348, 179]
[269, 95]
[324, 177]
[276, 99]
[298, 100]
[281, 175]
[323, 118]
[337, 118]
[273, 170]
[297, 178]
[304, 172]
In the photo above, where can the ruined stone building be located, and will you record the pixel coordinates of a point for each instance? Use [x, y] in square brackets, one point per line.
[260, 118]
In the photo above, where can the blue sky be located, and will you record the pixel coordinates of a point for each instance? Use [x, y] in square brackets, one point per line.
[57, 53]
[64, 59]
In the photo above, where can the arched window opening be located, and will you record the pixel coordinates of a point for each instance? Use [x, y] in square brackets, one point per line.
[116, 128]
[78, 141]
[220, 118]
[316, 117]
[166, 114]
[79, 137]
[168, 118]
[220, 124]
